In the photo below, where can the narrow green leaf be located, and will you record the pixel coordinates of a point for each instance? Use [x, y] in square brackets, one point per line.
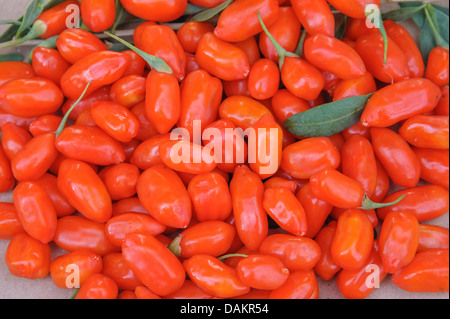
[419, 17]
[444, 10]
[9, 34]
[301, 43]
[121, 16]
[327, 119]
[340, 27]
[223, 257]
[32, 12]
[193, 9]
[38, 29]
[3, 22]
[426, 40]
[211, 13]
[52, 3]
[403, 13]
[282, 52]
[153, 61]
[11, 57]
[368, 204]
[62, 125]
[441, 21]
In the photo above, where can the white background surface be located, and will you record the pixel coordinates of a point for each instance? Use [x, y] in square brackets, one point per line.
[21, 288]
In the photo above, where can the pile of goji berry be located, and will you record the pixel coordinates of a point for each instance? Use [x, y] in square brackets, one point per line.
[351, 109]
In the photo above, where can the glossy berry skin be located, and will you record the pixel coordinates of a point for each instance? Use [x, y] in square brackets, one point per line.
[35, 158]
[162, 101]
[426, 131]
[285, 209]
[74, 44]
[27, 257]
[102, 149]
[308, 157]
[102, 68]
[388, 105]
[30, 97]
[353, 8]
[358, 284]
[35, 211]
[400, 35]
[155, 10]
[210, 195]
[11, 70]
[264, 79]
[434, 165]
[116, 120]
[427, 272]
[62, 267]
[98, 16]
[326, 268]
[162, 41]
[79, 233]
[128, 91]
[119, 226]
[116, 268]
[207, 271]
[359, 162]
[164, 196]
[370, 47]
[155, 265]
[49, 63]
[432, 237]
[242, 16]
[248, 210]
[210, 55]
[262, 272]
[437, 67]
[353, 241]
[98, 286]
[315, 16]
[424, 202]
[324, 52]
[396, 156]
[55, 18]
[201, 95]
[191, 32]
[285, 29]
[10, 224]
[302, 78]
[211, 237]
[84, 190]
[399, 239]
[337, 189]
[301, 284]
[296, 253]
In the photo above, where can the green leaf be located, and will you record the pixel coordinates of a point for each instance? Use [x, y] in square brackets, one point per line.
[403, 13]
[327, 119]
[52, 3]
[368, 204]
[121, 16]
[426, 40]
[11, 57]
[340, 27]
[301, 43]
[444, 10]
[211, 13]
[153, 61]
[419, 17]
[9, 34]
[435, 32]
[32, 12]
